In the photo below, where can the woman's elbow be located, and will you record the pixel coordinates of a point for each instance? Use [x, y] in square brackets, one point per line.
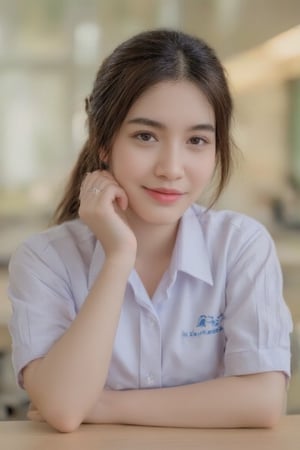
[64, 422]
[267, 400]
[270, 409]
[270, 417]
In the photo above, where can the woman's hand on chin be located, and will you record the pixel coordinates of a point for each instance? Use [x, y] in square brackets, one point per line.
[103, 203]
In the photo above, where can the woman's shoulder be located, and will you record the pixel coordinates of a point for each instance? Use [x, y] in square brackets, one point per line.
[231, 231]
[70, 231]
[70, 237]
[232, 236]
[228, 221]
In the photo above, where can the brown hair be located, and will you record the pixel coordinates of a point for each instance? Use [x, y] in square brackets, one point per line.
[134, 66]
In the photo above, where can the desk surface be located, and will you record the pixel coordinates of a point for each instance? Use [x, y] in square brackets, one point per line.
[25, 435]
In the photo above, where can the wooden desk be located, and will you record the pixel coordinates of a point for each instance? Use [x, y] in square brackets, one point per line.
[26, 435]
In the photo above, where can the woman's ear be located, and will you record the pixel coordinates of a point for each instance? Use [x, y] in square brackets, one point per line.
[103, 165]
[103, 160]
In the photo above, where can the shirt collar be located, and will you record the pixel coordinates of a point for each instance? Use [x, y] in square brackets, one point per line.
[190, 253]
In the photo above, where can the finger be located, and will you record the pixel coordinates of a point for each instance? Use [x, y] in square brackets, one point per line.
[91, 187]
[96, 186]
[97, 179]
[122, 201]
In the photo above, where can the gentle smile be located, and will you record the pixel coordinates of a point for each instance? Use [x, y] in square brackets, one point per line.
[164, 195]
[165, 190]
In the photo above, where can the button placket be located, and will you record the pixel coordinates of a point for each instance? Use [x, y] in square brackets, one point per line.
[150, 351]
[150, 378]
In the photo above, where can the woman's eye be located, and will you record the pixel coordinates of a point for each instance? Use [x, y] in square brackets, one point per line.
[196, 140]
[145, 137]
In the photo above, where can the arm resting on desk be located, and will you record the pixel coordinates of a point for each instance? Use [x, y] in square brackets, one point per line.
[65, 383]
[231, 402]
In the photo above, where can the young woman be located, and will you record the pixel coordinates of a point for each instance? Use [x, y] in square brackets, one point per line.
[140, 306]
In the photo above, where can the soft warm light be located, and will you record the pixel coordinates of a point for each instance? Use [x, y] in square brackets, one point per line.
[275, 60]
[285, 45]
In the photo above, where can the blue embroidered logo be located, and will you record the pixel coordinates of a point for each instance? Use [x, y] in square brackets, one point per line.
[206, 325]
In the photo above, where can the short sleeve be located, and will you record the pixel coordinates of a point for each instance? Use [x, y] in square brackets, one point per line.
[42, 304]
[257, 321]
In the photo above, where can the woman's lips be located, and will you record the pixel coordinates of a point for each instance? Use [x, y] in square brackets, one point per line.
[164, 195]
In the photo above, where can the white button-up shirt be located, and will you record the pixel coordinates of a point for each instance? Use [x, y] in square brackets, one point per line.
[217, 311]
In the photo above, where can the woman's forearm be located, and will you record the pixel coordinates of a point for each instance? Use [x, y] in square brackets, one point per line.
[231, 402]
[65, 383]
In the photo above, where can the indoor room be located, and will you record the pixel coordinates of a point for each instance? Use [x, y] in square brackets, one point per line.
[50, 51]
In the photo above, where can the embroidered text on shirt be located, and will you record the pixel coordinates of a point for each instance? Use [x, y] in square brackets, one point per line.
[206, 325]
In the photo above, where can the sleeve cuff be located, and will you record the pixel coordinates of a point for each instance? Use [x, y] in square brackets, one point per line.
[263, 360]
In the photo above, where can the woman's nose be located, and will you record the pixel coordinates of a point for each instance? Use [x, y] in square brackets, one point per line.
[170, 163]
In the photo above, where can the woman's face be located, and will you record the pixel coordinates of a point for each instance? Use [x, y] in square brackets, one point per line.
[164, 153]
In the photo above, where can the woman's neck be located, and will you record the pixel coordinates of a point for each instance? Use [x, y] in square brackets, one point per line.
[154, 241]
[155, 247]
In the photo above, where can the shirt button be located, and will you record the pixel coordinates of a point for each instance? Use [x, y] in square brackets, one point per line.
[150, 379]
[152, 322]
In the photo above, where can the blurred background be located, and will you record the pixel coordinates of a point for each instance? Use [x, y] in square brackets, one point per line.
[50, 51]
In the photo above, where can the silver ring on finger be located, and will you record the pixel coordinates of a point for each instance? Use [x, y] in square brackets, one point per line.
[95, 190]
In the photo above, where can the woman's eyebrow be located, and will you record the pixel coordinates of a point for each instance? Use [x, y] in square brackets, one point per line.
[156, 124]
[147, 122]
[203, 126]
